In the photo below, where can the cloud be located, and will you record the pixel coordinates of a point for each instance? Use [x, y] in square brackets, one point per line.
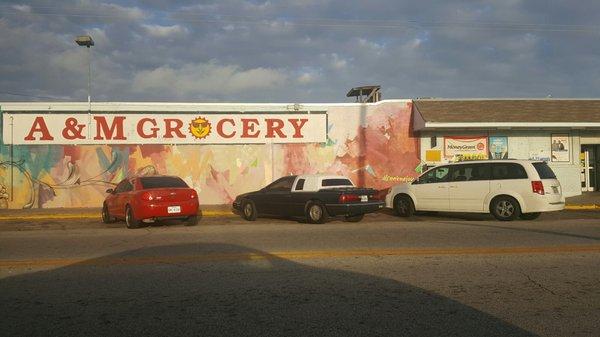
[132, 13]
[337, 62]
[229, 27]
[308, 75]
[282, 51]
[203, 79]
[306, 78]
[371, 45]
[22, 8]
[164, 31]
[101, 39]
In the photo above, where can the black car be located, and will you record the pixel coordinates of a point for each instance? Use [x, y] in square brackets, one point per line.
[315, 197]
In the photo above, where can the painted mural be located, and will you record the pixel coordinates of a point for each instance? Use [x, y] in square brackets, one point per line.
[372, 144]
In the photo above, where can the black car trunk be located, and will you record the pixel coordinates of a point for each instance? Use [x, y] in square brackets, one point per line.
[351, 190]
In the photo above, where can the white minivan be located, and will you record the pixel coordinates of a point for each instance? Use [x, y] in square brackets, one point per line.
[508, 189]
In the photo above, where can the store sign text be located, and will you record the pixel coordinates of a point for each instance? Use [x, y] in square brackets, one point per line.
[163, 128]
[466, 148]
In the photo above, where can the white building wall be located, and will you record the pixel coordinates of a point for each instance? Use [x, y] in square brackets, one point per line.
[590, 137]
[523, 144]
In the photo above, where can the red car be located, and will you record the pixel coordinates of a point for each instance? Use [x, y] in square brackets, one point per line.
[151, 198]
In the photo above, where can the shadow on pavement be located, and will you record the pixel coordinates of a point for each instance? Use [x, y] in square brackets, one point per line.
[430, 215]
[224, 290]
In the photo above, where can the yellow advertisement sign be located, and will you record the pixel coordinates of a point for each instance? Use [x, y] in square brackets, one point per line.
[466, 148]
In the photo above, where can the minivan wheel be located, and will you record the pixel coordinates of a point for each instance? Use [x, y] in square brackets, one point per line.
[530, 216]
[403, 206]
[505, 209]
[249, 211]
[130, 219]
[316, 213]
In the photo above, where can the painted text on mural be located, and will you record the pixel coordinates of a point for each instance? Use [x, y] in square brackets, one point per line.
[163, 128]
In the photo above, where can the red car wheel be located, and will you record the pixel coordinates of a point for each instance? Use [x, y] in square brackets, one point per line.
[130, 219]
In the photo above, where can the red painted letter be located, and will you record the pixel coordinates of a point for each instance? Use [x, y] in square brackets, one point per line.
[170, 129]
[103, 128]
[274, 126]
[220, 128]
[248, 125]
[39, 125]
[298, 124]
[153, 130]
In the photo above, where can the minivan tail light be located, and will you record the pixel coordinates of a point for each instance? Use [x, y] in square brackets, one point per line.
[537, 187]
[344, 198]
[147, 196]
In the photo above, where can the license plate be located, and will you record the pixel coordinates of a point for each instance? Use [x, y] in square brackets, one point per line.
[174, 209]
[555, 189]
[364, 198]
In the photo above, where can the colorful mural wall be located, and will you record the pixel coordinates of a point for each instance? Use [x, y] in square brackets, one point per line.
[372, 144]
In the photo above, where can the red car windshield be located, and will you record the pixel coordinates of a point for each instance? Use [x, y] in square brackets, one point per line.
[162, 182]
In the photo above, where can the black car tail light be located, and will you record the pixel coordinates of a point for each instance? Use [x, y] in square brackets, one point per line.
[345, 198]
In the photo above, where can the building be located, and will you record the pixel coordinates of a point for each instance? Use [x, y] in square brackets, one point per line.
[563, 132]
[64, 154]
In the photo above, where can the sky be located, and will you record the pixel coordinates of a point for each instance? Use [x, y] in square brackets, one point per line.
[298, 50]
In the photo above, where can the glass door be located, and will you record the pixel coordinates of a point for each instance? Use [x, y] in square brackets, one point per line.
[588, 158]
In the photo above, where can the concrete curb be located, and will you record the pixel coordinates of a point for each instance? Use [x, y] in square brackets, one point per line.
[205, 214]
[587, 207]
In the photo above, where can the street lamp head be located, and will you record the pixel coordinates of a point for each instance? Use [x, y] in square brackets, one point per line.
[84, 41]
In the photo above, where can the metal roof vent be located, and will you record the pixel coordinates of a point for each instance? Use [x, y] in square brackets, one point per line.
[366, 94]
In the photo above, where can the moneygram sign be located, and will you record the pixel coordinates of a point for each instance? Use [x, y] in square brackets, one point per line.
[466, 147]
[197, 128]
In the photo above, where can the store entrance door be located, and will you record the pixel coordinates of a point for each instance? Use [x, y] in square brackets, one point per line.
[590, 165]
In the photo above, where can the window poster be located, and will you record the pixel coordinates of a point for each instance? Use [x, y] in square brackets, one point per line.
[498, 147]
[560, 148]
[466, 148]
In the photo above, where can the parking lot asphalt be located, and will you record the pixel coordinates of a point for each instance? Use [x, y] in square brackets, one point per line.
[434, 274]
[90, 218]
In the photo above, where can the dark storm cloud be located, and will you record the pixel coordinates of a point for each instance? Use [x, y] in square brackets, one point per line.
[299, 50]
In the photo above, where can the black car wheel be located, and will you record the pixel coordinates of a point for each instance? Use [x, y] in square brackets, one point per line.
[316, 212]
[130, 219]
[249, 210]
[191, 221]
[354, 218]
[106, 218]
[530, 216]
[505, 208]
[403, 206]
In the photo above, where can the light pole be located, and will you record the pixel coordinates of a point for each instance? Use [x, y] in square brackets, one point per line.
[88, 42]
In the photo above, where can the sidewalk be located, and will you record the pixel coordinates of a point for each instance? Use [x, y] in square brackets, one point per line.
[586, 201]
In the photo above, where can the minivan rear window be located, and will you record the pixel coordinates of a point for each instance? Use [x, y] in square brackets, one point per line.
[336, 182]
[162, 182]
[544, 170]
